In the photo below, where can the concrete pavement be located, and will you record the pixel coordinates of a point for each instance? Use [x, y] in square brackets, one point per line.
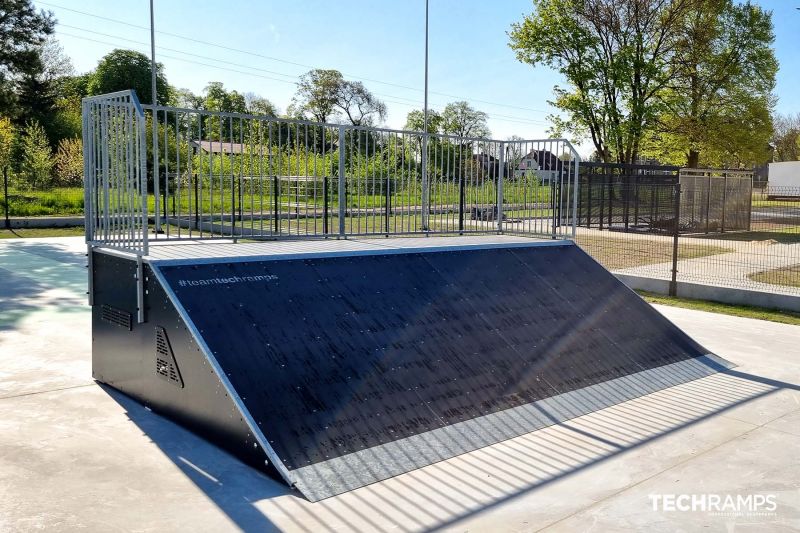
[78, 456]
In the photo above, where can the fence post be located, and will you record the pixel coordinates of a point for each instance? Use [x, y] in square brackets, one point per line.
[5, 197]
[196, 205]
[342, 191]
[388, 202]
[673, 284]
[500, 178]
[425, 200]
[325, 205]
[708, 200]
[276, 221]
[461, 202]
[724, 199]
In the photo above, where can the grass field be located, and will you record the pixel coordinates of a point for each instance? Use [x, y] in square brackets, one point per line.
[26, 233]
[617, 254]
[788, 276]
[773, 315]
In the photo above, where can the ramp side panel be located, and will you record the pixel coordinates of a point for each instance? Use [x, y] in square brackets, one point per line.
[333, 356]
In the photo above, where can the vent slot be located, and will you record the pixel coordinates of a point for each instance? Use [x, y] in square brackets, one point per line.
[166, 367]
[115, 316]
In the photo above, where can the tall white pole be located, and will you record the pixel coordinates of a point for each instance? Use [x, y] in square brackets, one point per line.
[425, 199]
[154, 128]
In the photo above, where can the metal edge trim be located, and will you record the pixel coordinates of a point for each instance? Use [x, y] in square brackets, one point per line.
[352, 253]
[249, 420]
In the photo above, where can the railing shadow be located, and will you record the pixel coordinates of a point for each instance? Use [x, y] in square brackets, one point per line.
[445, 494]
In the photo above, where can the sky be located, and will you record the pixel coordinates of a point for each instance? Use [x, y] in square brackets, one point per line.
[263, 46]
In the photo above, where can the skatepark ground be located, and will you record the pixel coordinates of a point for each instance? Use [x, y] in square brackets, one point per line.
[78, 455]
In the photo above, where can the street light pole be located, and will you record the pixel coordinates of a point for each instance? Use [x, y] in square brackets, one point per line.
[425, 201]
[154, 128]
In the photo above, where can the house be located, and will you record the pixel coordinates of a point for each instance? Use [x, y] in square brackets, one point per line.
[542, 163]
[217, 147]
[783, 179]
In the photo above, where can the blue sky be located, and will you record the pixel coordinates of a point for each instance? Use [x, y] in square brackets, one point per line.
[378, 42]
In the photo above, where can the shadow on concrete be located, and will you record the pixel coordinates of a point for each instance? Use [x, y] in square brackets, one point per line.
[229, 483]
[444, 494]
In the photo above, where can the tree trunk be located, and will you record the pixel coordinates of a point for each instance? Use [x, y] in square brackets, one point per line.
[693, 161]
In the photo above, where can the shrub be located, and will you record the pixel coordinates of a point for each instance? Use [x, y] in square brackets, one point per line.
[36, 165]
[69, 163]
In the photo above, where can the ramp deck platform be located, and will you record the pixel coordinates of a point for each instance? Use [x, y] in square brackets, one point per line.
[334, 364]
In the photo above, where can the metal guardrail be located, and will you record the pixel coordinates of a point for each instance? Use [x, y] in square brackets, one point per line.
[210, 175]
[115, 187]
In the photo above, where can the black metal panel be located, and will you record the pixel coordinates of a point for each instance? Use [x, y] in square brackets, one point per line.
[126, 359]
[335, 355]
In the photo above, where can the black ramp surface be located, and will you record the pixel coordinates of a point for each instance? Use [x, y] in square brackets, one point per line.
[334, 356]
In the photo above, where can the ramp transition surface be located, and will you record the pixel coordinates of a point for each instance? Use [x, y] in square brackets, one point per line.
[360, 367]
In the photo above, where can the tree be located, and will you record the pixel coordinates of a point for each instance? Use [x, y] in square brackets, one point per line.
[616, 59]
[360, 106]
[317, 93]
[39, 93]
[786, 137]
[22, 31]
[69, 163]
[722, 79]
[7, 138]
[415, 121]
[258, 105]
[36, 164]
[461, 120]
[121, 70]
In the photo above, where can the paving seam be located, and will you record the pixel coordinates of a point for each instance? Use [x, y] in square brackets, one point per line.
[46, 391]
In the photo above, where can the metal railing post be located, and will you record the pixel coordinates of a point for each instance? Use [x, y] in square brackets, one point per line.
[156, 172]
[325, 200]
[575, 192]
[342, 174]
[425, 200]
[673, 284]
[500, 178]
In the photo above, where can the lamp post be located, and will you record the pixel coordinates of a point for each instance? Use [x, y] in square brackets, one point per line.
[154, 94]
[425, 201]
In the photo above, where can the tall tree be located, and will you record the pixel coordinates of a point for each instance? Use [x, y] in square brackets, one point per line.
[786, 137]
[22, 31]
[615, 57]
[415, 121]
[258, 105]
[317, 93]
[462, 120]
[36, 164]
[40, 93]
[719, 96]
[120, 70]
[359, 105]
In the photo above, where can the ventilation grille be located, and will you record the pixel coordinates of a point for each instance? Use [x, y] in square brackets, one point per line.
[166, 367]
[115, 316]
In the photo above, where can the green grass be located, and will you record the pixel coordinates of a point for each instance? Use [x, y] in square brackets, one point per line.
[26, 233]
[58, 201]
[746, 311]
[788, 276]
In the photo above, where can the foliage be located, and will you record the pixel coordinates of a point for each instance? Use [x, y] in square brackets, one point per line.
[258, 105]
[7, 140]
[69, 162]
[415, 121]
[36, 164]
[317, 92]
[22, 31]
[40, 94]
[462, 120]
[719, 97]
[121, 70]
[786, 137]
[615, 58]
[359, 105]
[323, 94]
